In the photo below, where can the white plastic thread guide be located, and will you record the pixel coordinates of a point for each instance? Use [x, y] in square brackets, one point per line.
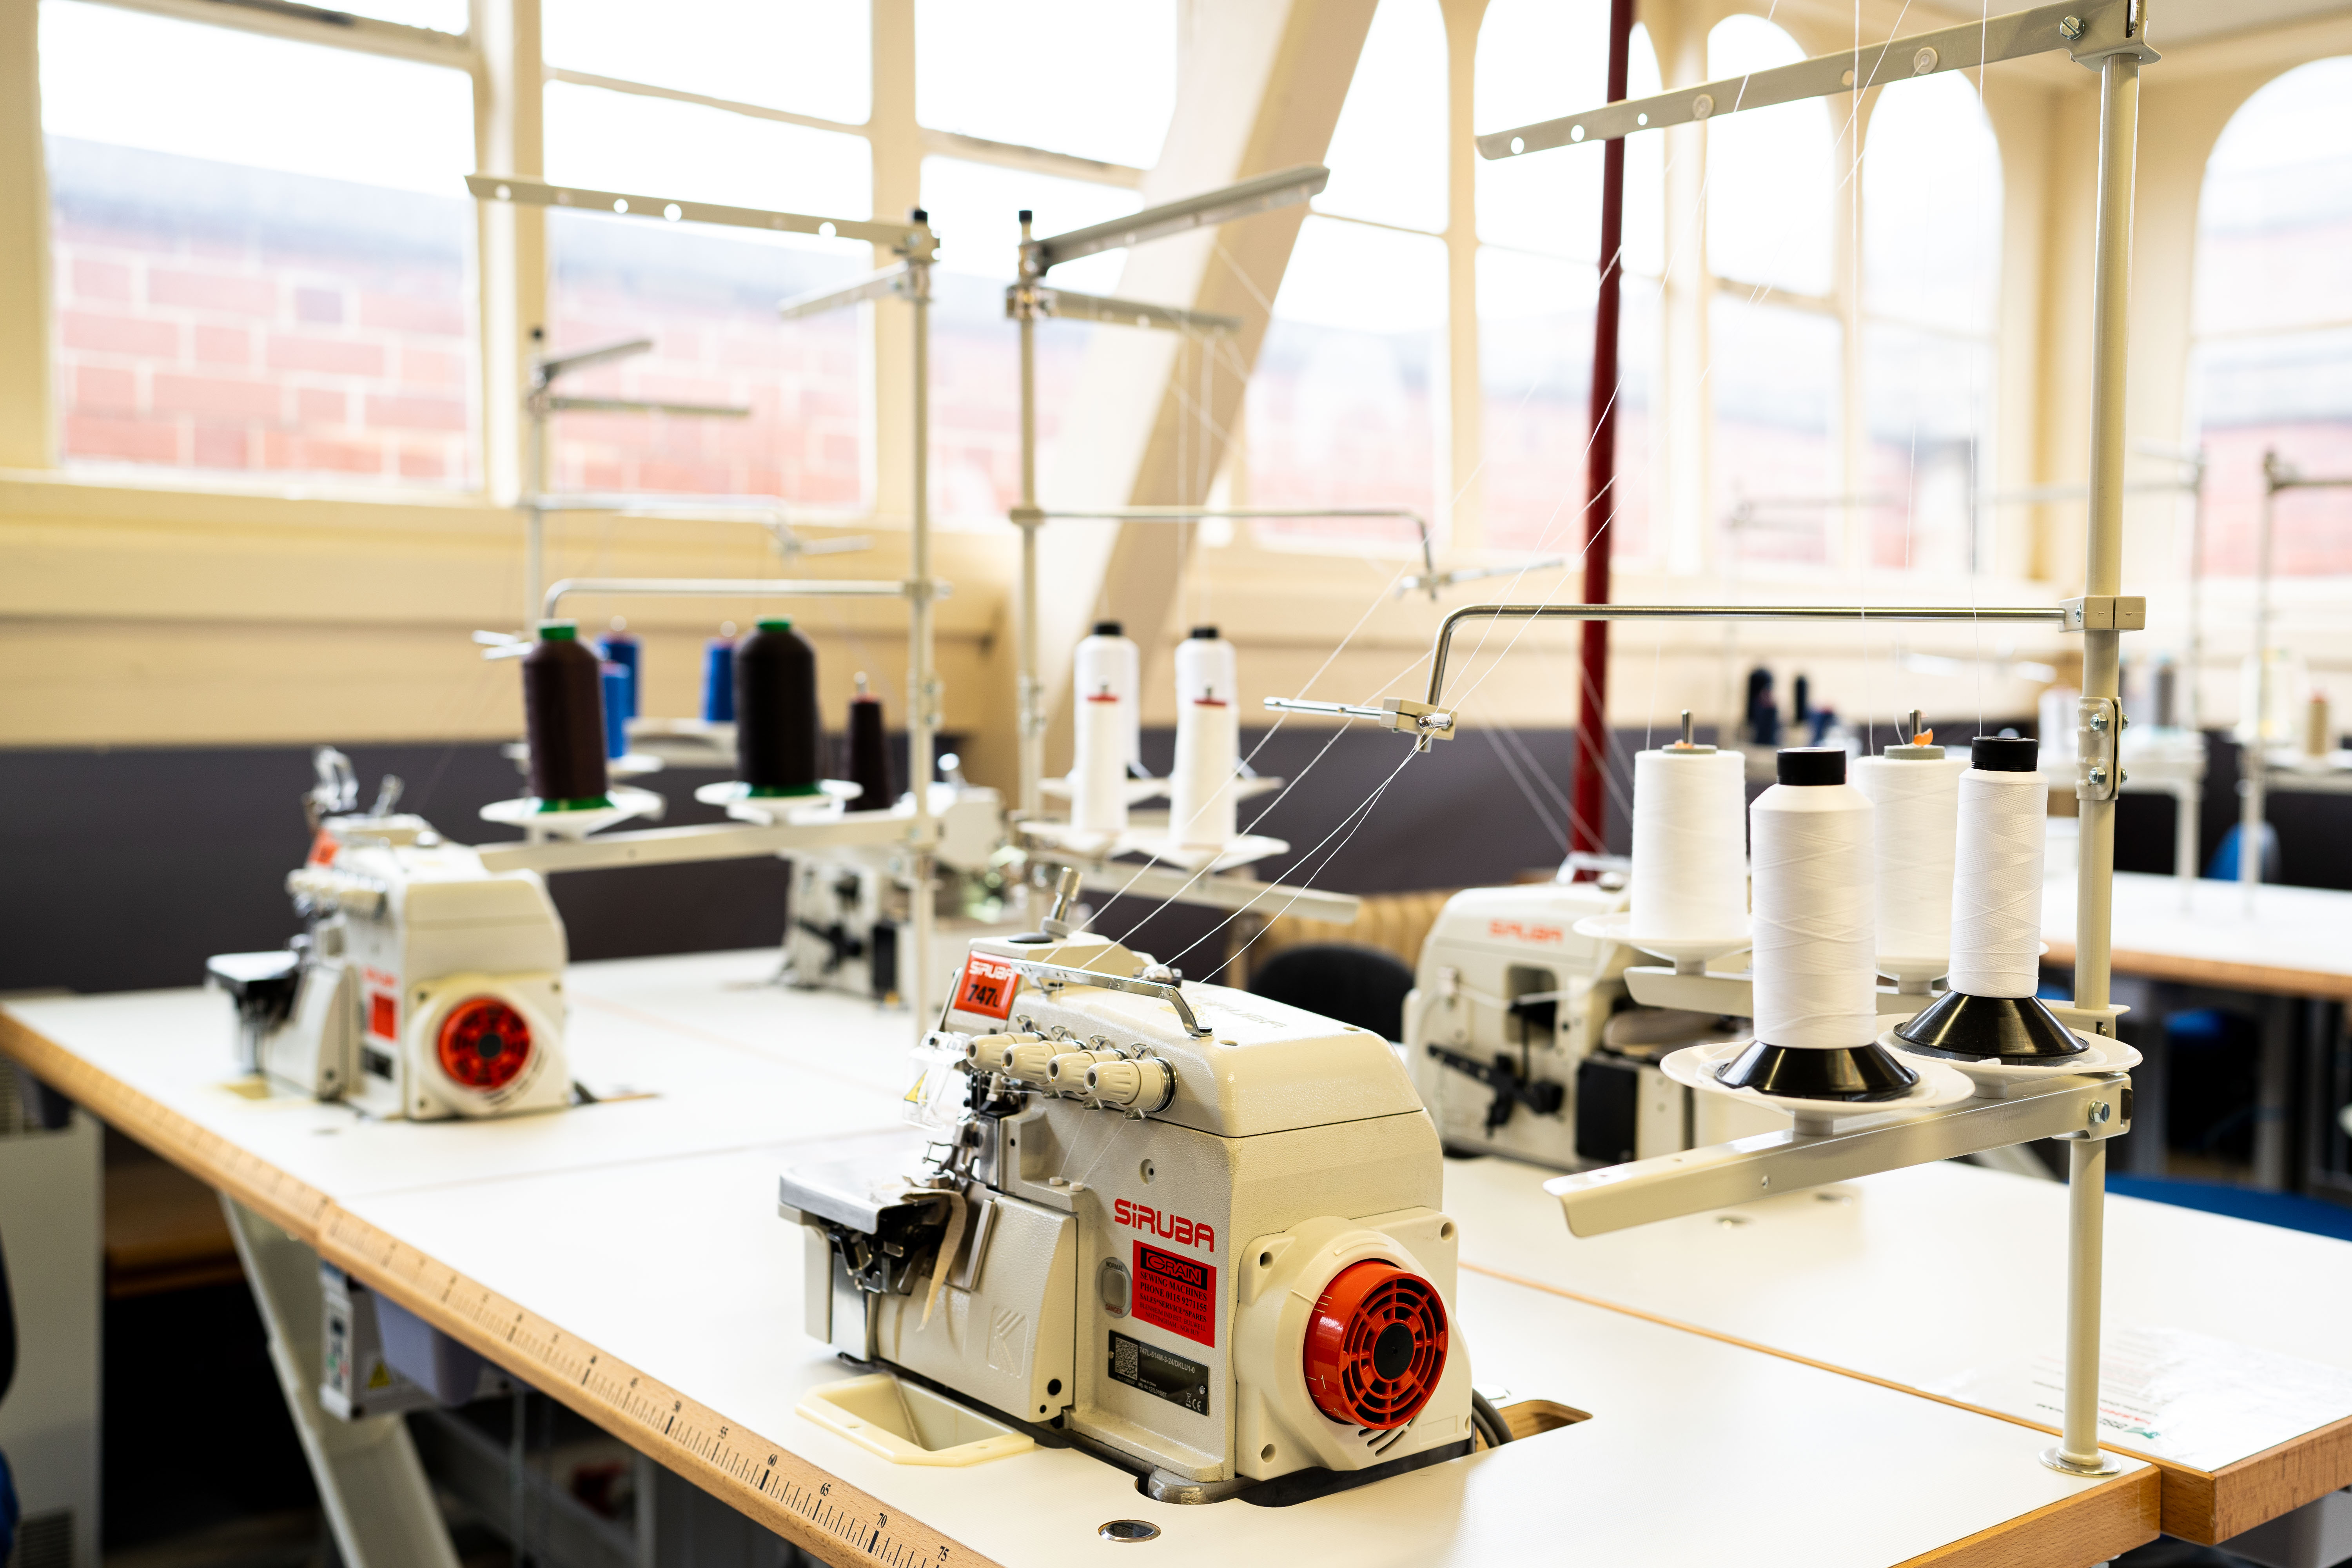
[1997, 884]
[1918, 802]
[1208, 741]
[1690, 850]
[1815, 924]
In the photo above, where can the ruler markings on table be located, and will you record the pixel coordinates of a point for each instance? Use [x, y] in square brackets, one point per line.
[782, 1490]
[291, 1204]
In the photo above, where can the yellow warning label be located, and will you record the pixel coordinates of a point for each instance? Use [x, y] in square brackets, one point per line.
[914, 1095]
[381, 1377]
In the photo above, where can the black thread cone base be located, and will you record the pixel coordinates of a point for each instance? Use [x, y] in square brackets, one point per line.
[1859, 1073]
[2014, 1029]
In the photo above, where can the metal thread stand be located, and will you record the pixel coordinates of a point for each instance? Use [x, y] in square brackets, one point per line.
[917, 246]
[2107, 36]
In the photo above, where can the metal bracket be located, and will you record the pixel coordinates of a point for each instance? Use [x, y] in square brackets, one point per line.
[2106, 613]
[1053, 976]
[2091, 1107]
[2097, 775]
[1424, 722]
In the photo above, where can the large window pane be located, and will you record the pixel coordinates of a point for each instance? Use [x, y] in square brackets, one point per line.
[1768, 171]
[234, 297]
[976, 349]
[1931, 206]
[2275, 254]
[1341, 410]
[622, 141]
[1539, 59]
[811, 56]
[1388, 151]
[1535, 359]
[1774, 379]
[707, 297]
[1095, 80]
[1928, 397]
[2275, 223]
[2291, 394]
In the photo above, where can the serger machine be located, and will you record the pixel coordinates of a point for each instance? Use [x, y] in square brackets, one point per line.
[1194, 1231]
[422, 985]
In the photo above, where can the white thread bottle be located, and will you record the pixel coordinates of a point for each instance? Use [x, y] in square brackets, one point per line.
[1690, 849]
[1208, 741]
[1916, 790]
[1103, 715]
[1991, 1012]
[1110, 655]
[1816, 939]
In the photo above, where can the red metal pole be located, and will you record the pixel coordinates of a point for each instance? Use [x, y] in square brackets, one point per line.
[1588, 813]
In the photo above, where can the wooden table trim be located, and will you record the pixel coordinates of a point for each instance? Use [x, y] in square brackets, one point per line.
[2110, 1518]
[758, 1478]
[292, 1204]
[2265, 979]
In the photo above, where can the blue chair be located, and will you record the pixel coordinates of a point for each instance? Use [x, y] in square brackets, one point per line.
[2223, 867]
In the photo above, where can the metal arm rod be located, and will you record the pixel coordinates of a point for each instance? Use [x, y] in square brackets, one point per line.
[539, 193]
[1070, 305]
[724, 587]
[1962, 614]
[2090, 30]
[1050, 976]
[633, 406]
[1263, 193]
[879, 285]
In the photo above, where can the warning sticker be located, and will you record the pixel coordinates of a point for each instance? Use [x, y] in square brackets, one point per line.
[987, 986]
[1161, 1373]
[1176, 1294]
[383, 1015]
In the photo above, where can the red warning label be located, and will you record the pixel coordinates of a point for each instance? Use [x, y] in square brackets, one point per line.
[987, 986]
[383, 1015]
[1176, 1294]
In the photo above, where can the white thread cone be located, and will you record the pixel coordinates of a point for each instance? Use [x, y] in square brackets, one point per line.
[1815, 925]
[1997, 884]
[1918, 802]
[1690, 851]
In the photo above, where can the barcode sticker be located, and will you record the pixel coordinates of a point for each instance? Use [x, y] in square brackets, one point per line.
[987, 986]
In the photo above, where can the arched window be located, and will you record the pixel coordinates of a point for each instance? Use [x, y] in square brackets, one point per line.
[2272, 365]
[1930, 271]
[1343, 408]
[1775, 371]
[1539, 227]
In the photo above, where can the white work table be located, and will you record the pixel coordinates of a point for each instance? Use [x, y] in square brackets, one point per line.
[2288, 941]
[627, 1258]
[2228, 1357]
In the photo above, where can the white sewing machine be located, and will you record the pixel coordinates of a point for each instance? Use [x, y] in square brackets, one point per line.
[1194, 1231]
[424, 986]
[852, 917]
[1522, 1041]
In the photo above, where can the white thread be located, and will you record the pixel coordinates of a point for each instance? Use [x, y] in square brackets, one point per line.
[1689, 846]
[1997, 886]
[1208, 743]
[1918, 802]
[1816, 929]
[1111, 661]
[1098, 774]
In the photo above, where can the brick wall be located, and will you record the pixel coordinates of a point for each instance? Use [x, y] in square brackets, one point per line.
[226, 319]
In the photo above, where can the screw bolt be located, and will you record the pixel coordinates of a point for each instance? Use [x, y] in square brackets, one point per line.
[2099, 720]
[2099, 777]
[2070, 27]
[2100, 1111]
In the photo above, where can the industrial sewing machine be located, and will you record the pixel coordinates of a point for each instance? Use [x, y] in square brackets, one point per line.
[1522, 1040]
[422, 985]
[852, 911]
[1191, 1230]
